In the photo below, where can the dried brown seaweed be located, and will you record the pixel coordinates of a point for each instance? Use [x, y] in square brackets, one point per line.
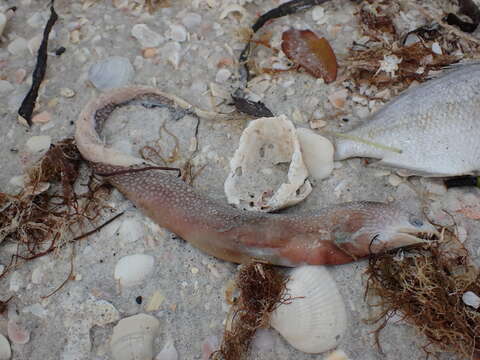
[262, 289]
[42, 219]
[425, 286]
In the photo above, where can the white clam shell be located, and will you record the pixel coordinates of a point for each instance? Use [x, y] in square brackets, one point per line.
[257, 180]
[132, 338]
[317, 153]
[132, 269]
[315, 319]
[113, 72]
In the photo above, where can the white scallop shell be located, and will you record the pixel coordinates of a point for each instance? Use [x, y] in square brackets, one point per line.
[132, 337]
[257, 180]
[113, 72]
[315, 319]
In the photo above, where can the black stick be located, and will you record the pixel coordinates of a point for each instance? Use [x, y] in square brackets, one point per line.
[28, 104]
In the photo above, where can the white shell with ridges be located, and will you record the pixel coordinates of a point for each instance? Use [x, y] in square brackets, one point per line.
[132, 269]
[315, 319]
[267, 171]
[132, 338]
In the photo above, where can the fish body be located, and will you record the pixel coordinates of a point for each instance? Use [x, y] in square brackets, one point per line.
[433, 128]
[334, 235]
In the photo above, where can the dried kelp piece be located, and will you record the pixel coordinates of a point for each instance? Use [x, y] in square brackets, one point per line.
[470, 9]
[425, 287]
[290, 7]
[262, 290]
[312, 53]
[28, 104]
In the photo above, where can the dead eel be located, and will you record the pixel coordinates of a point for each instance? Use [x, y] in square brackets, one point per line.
[334, 235]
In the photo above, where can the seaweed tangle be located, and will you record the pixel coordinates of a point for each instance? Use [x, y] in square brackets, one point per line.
[262, 290]
[49, 211]
[425, 286]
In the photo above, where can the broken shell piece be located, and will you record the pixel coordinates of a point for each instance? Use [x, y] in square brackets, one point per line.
[317, 153]
[267, 171]
[132, 338]
[315, 319]
[5, 350]
[471, 299]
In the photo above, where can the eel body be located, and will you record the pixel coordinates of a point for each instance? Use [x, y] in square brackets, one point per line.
[334, 235]
[434, 126]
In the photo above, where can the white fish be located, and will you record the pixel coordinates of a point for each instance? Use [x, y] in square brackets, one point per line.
[433, 129]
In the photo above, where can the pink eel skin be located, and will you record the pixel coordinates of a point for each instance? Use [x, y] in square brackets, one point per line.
[335, 235]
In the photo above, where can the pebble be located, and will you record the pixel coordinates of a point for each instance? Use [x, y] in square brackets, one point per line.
[101, 312]
[471, 299]
[178, 33]
[17, 333]
[149, 53]
[5, 350]
[223, 75]
[145, 36]
[133, 269]
[192, 20]
[67, 93]
[38, 144]
[18, 46]
[5, 87]
[168, 352]
[75, 36]
[113, 72]
[42, 118]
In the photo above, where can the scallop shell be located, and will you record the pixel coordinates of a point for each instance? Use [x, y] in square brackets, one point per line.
[315, 319]
[132, 338]
[257, 180]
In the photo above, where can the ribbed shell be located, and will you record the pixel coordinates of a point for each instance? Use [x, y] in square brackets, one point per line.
[132, 338]
[315, 320]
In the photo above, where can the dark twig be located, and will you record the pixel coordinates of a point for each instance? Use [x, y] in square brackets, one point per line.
[28, 104]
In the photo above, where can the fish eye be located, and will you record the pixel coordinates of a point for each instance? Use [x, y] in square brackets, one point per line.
[415, 221]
